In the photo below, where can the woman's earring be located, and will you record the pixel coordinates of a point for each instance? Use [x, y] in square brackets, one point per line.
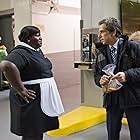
[28, 40]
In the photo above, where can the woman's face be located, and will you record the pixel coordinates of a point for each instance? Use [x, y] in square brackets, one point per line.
[36, 41]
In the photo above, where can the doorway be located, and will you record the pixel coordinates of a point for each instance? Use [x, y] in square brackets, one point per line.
[6, 30]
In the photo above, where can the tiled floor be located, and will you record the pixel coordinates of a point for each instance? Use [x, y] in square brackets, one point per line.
[94, 133]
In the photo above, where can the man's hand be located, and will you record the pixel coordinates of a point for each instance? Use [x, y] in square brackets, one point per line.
[120, 76]
[104, 80]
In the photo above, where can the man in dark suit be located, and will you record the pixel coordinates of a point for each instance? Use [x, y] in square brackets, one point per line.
[127, 60]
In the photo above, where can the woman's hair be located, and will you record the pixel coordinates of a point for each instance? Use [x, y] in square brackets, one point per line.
[112, 25]
[135, 36]
[26, 32]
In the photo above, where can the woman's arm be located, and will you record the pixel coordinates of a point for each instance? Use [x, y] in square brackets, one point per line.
[12, 74]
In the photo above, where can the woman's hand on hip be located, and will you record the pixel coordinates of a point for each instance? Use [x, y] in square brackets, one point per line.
[27, 94]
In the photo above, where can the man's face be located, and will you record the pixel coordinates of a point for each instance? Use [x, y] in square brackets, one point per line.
[105, 36]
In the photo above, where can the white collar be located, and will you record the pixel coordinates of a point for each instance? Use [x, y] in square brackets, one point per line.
[26, 45]
[115, 45]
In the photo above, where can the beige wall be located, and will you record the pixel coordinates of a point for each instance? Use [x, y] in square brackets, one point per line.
[5, 4]
[22, 14]
[95, 10]
[60, 30]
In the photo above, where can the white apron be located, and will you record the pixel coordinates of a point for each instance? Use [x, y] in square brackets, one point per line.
[51, 103]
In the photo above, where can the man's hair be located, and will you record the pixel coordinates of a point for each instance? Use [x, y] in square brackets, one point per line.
[135, 36]
[112, 25]
[26, 32]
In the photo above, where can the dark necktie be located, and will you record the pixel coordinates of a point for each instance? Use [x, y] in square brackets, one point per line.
[113, 55]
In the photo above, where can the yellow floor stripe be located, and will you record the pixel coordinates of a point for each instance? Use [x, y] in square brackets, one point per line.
[124, 121]
[79, 119]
